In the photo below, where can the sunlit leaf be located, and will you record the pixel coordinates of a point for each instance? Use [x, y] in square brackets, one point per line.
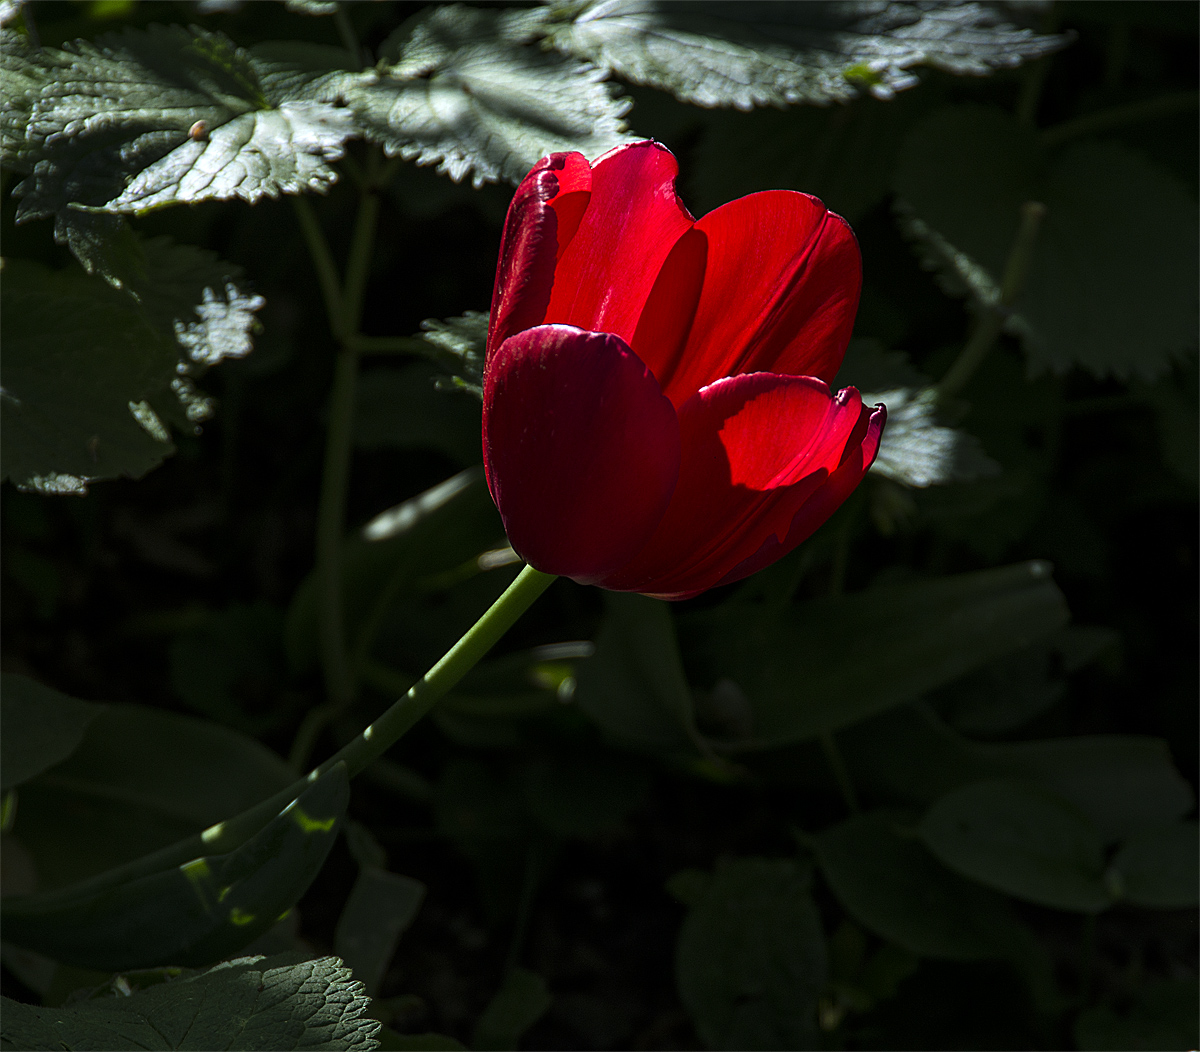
[750, 960]
[459, 91]
[754, 53]
[282, 1002]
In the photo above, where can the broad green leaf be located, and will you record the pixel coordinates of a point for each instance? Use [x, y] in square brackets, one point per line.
[855, 656]
[90, 372]
[1124, 784]
[582, 794]
[281, 1002]
[750, 961]
[1163, 1015]
[1018, 838]
[634, 686]
[458, 344]
[459, 91]
[198, 912]
[402, 408]
[22, 78]
[519, 1003]
[167, 115]
[890, 883]
[415, 548]
[917, 450]
[1111, 290]
[755, 54]
[380, 909]
[1159, 868]
[142, 778]
[39, 727]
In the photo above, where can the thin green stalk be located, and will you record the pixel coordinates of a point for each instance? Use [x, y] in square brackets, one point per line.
[987, 331]
[346, 32]
[358, 755]
[841, 773]
[1032, 81]
[1120, 116]
[322, 259]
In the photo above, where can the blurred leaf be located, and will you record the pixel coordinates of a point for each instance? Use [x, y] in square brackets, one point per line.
[1020, 839]
[39, 727]
[634, 686]
[1010, 692]
[755, 53]
[583, 795]
[1164, 1015]
[436, 532]
[1112, 290]
[1160, 868]
[380, 909]
[390, 1040]
[870, 366]
[1178, 420]
[458, 90]
[863, 653]
[688, 886]
[1123, 784]
[402, 408]
[279, 1002]
[195, 913]
[141, 779]
[166, 115]
[917, 450]
[750, 961]
[887, 880]
[458, 344]
[232, 668]
[518, 1004]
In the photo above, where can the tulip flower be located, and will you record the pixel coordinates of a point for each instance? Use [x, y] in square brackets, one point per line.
[656, 409]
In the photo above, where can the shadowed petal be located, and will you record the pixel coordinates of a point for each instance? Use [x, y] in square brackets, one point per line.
[581, 449]
[632, 221]
[541, 222]
[781, 285]
[757, 449]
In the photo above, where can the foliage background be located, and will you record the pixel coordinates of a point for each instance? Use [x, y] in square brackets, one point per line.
[554, 832]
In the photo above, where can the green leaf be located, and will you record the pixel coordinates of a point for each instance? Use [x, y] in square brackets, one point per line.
[1159, 868]
[1163, 1015]
[279, 1002]
[458, 90]
[750, 961]
[194, 914]
[458, 343]
[402, 408]
[1020, 839]
[890, 883]
[917, 450]
[1124, 784]
[141, 779]
[864, 653]
[634, 685]
[22, 79]
[1111, 290]
[39, 727]
[755, 54]
[380, 909]
[89, 372]
[162, 116]
[518, 1004]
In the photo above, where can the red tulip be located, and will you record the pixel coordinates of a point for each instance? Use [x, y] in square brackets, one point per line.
[656, 409]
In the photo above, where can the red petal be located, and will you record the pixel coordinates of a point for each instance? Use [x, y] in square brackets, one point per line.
[758, 450]
[781, 288]
[580, 446]
[541, 221]
[633, 220]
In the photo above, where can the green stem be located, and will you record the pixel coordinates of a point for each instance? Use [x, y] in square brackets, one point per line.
[1032, 82]
[346, 32]
[390, 345]
[359, 754]
[1120, 116]
[841, 774]
[987, 331]
[322, 260]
